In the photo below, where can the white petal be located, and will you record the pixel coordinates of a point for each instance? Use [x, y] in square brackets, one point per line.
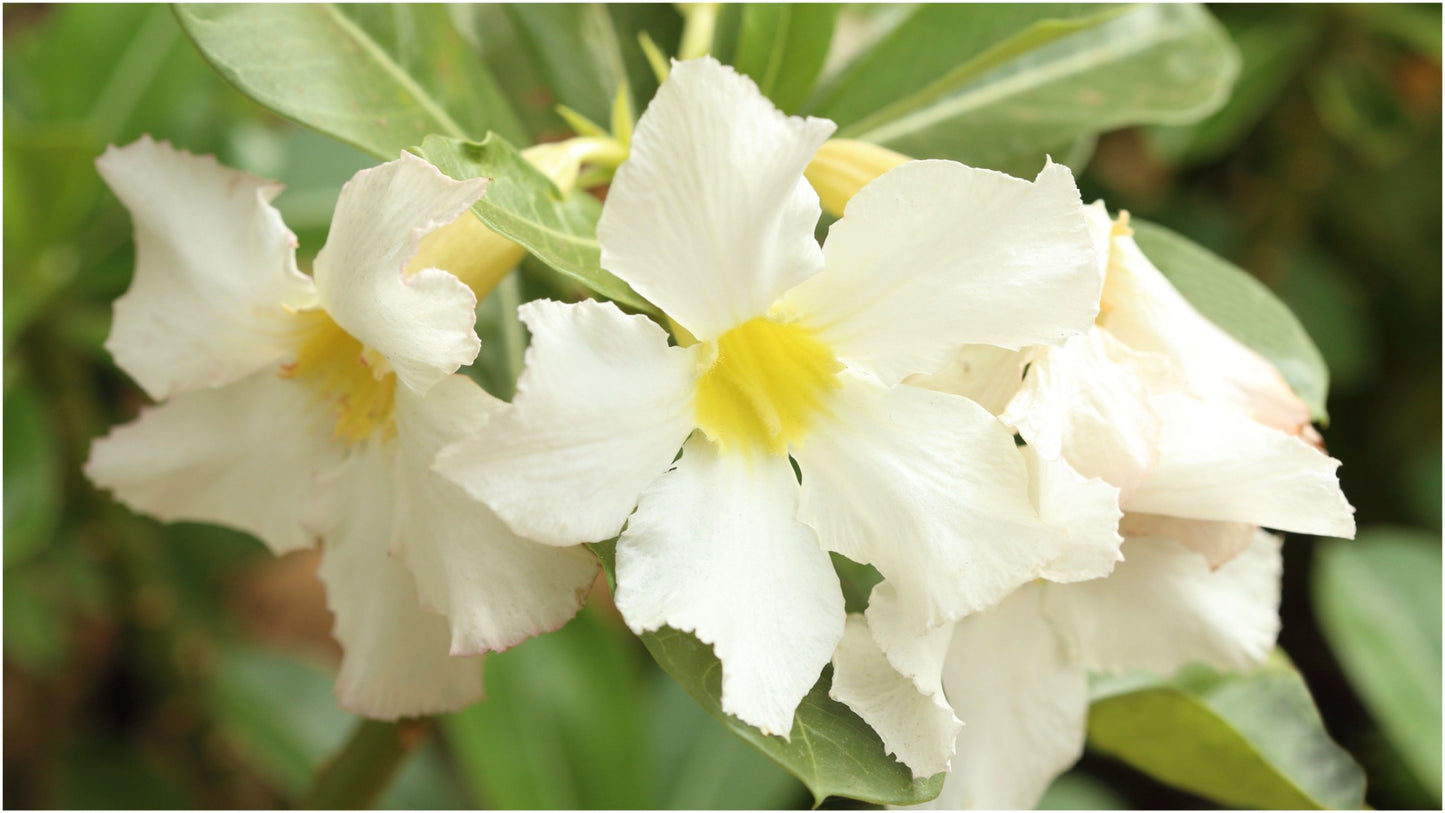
[423, 323]
[1142, 309]
[245, 455]
[215, 271]
[1087, 509]
[396, 661]
[1218, 542]
[1164, 607]
[930, 489]
[715, 549]
[917, 728]
[989, 375]
[495, 588]
[934, 255]
[1217, 464]
[601, 410]
[710, 217]
[1023, 702]
[1090, 403]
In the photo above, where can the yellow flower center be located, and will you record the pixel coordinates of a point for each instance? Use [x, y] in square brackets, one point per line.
[767, 383]
[337, 367]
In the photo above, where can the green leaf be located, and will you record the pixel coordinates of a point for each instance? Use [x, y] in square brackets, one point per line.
[33, 484]
[380, 77]
[1251, 741]
[782, 47]
[1001, 86]
[576, 50]
[1378, 602]
[699, 764]
[561, 727]
[1273, 43]
[1242, 306]
[522, 205]
[831, 749]
[278, 713]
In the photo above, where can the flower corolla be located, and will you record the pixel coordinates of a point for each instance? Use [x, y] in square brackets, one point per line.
[1205, 442]
[793, 354]
[303, 408]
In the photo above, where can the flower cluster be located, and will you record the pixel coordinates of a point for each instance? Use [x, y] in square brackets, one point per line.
[976, 384]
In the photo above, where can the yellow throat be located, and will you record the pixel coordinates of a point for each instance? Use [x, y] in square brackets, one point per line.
[767, 384]
[340, 370]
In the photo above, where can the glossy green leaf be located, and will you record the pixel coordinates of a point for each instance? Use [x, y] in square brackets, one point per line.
[830, 749]
[522, 205]
[1243, 306]
[1378, 602]
[1252, 741]
[381, 77]
[782, 47]
[1000, 86]
[576, 50]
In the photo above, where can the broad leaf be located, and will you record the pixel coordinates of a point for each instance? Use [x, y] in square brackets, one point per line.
[1243, 306]
[1273, 43]
[1378, 602]
[524, 206]
[782, 47]
[577, 51]
[1251, 741]
[380, 77]
[831, 749]
[696, 763]
[1001, 86]
[561, 727]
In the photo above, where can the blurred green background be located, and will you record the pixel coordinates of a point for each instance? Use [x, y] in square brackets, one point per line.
[183, 666]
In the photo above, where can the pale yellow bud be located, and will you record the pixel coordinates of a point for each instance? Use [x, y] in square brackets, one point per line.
[466, 248]
[475, 254]
[842, 166]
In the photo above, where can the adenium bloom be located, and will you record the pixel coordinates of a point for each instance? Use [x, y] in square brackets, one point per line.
[304, 408]
[1203, 439]
[798, 357]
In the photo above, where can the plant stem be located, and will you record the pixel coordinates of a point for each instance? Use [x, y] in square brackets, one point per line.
[357, 775]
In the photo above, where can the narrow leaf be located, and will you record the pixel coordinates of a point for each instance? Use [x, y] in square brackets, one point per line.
[380, 77]
[522, 205]
[1243, 306]
[1378, 602]
[1252, 741]
[782, 46]
[830, 749]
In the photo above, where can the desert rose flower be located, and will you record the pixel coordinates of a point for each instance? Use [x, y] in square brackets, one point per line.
[303, 408]
[1204, 441]
[793, 355]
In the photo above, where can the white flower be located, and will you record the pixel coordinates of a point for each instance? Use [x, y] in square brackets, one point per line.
[799, 353]
[1201, 436]
[301, 408]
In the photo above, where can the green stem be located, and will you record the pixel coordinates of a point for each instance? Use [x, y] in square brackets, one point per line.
[357, 775]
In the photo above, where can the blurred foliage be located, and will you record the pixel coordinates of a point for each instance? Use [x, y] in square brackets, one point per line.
[182, 666]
